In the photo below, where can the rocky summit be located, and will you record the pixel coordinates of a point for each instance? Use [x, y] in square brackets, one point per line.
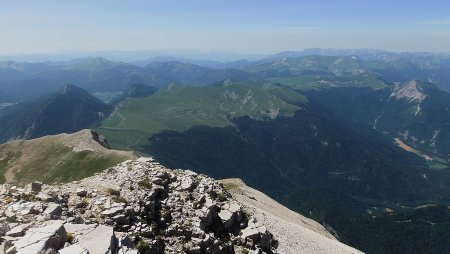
[137, 206]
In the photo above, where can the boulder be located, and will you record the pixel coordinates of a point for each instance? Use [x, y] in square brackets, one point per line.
[46, 239]
[187, 183]
[15, 231]
[34, 187]
[81, 192]
[231, 216]
[44, 197]
[74, 249]
[4, 227]
[79, 229]
[158, 181]
[121, 219]
[266, 242]
[113, 211]
[145, 159]
[99, 241]
[53, 210]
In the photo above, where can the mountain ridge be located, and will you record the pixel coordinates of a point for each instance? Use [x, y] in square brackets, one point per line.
[71, 109]
[58, 158]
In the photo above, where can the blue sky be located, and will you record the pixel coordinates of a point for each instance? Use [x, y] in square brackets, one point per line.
[245, 26]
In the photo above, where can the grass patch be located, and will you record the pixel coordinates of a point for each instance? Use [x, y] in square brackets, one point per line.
[113, 192]
[230, 186]
[222, 197]
[119, 199]
[70, 238]
[145, 184]
[143, 247]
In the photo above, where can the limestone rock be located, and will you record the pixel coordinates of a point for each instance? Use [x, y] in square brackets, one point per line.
[44, 197]
[53, 210]
[187, 183]
[34, 187]
[46, 239]
[4, 227]
[15, 231]
[79, 229]
[101, 240]
[74, 249]
[81, 192]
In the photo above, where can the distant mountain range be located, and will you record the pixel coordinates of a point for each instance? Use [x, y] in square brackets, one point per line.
[356, 139]
[23, 80]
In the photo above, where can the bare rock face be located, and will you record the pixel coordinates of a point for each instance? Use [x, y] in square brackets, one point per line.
[135, 207]
[34, 187]
[101, 240]
[410, 91]
[48, 239]
[100, 139]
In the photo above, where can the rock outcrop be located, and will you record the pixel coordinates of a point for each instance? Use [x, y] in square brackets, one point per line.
[135, 207]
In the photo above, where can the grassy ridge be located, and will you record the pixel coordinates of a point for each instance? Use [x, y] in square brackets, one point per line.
[56, 159]
[67, 165]
[56, 163]
[179, 108]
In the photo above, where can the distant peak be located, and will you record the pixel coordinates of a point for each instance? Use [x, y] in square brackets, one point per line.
[101, 60]
[69, 87]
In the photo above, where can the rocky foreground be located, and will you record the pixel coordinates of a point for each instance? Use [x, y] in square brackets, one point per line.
[135, 207]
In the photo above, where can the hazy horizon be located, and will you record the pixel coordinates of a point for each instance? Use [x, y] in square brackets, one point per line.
[246, 28]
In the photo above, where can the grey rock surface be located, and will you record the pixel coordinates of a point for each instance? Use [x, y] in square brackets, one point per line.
[135, 205]
[47, 239]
